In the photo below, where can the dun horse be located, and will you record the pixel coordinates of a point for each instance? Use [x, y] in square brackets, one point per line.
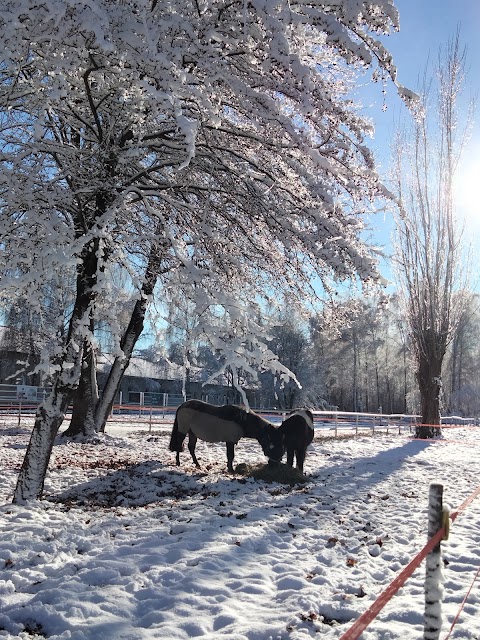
[297, 433]
[227, 423]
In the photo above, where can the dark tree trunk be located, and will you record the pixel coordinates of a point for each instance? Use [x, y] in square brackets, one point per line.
[454, 381]
[127, 344]
[367, 381]
[430, 386]
[85, 399]
[355, 367]
[135, 327]
[51, 412]
[48, 420]
[91, 410]
[85, 396]
[187, 381]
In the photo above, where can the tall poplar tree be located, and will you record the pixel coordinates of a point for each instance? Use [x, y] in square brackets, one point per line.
[429, 253]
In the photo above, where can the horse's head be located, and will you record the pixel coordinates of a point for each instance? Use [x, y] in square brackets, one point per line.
[272, 443]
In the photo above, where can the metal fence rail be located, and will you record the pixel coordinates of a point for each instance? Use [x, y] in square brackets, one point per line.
[15, 394]
[23, 400]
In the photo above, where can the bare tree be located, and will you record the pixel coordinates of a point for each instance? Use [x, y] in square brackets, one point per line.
[461, 366]
[290, 342]
[429, 250]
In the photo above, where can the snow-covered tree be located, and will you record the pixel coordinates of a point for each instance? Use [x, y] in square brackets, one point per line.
[364, 362]
[36, 324]
[462, 362]
[183, 320]
[289, 338]
[429, 254]
[213, 138]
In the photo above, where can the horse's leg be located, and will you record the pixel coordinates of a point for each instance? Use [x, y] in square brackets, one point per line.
[290, 452]
[192, 443]
[180, 439]
[230, 455]
[300, 453]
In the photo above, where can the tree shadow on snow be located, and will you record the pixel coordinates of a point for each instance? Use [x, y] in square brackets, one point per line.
[140, 484]
[367, 471]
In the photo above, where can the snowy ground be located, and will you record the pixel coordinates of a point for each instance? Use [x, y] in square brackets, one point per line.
[127, 546]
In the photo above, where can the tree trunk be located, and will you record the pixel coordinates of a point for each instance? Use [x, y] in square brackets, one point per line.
[129, 339]
[91, 411]
[51, 413]
[355, 366]
[430, 385]
[454, 382]
[85, 399]
[367, 382]
[460, 377]
[120, 364]
[48, 419]
[186, 387]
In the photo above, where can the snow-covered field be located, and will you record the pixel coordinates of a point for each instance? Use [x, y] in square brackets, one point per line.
[126, 546]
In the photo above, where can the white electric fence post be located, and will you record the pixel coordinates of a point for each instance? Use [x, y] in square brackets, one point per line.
[433, 569]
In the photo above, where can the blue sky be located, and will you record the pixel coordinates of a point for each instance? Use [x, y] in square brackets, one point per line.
[425, 25]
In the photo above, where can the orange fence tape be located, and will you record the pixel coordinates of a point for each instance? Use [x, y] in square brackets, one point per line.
[370, 614]
[366, 618]
[462, 605]
[465, 504]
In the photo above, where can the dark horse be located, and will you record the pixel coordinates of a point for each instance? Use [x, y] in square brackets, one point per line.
[296, 432]
[227, 423]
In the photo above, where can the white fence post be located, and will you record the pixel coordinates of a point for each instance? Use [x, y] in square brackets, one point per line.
[164, 404]
[433, 571]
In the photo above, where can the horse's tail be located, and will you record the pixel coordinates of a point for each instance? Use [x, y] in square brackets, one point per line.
[176, 439]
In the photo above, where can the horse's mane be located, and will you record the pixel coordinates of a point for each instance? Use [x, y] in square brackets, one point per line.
[242, 416]
[228, 412]
[305, 414]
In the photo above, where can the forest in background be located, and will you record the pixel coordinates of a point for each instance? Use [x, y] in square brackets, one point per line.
[362, 363]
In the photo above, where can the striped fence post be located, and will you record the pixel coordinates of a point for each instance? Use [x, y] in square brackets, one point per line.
[433, 568]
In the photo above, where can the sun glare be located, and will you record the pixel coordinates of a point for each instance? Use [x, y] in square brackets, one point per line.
[467, 193]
